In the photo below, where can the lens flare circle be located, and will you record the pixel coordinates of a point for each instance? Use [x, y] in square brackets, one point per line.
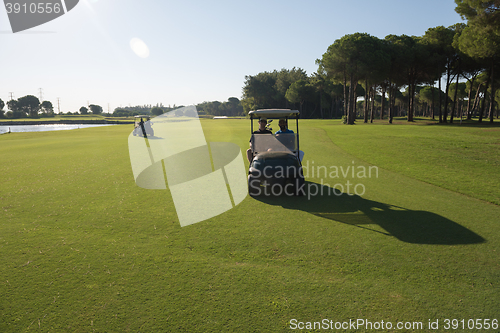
[139, 47]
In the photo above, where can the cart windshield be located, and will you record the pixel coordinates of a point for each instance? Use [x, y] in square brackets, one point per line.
[285, 142]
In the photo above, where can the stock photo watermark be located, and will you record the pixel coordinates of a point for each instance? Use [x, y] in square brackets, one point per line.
[384, 325]
[24, 15]
[204, 178]
[334, 180]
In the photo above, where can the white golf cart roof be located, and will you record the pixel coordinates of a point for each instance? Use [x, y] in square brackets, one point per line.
[273, 113]
[142, 116]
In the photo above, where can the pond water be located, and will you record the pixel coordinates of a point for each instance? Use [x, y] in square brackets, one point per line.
[48, 127]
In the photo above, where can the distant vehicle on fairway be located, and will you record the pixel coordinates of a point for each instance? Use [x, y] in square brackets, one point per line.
[142, 126]
[275, 166]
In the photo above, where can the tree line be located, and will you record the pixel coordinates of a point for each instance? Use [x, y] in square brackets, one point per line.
[230, 108]
[396, 76]
[130, 111]
[26, 106]
[30, 106]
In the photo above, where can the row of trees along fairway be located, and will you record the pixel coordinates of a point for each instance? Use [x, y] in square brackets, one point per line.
[232, 108]
[130, 111]
[396, 75]
[27, 106]
[30, 106]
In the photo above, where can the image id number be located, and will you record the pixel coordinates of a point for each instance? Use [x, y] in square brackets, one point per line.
[33, 8]
[471, 324]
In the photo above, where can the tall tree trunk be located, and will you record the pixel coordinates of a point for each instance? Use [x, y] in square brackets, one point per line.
[486, 86]
[469, 113]
[372, 108]
[345, 94]
[481, 110]
[411, 101]
[384, 87]
[332, 106]
[413, 104]
[475, 105]
[366, 102]
[447, 90]
[321, 104]
[432, 102]
[393, 102]
[391, 106]
[454, 100]
[355, 103]
[352, 88]
[440, 102]
[492, 96]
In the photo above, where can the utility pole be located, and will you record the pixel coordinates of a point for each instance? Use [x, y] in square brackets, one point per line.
[58, 106]
[11, 95]
[41, 95]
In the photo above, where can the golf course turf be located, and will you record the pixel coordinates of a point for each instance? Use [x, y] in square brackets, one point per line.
[84, 249]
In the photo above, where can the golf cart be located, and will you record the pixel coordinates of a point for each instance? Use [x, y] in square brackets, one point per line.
[142, 126]
[276, 167]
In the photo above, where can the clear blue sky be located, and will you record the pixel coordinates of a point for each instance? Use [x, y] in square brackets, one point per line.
[198, 50]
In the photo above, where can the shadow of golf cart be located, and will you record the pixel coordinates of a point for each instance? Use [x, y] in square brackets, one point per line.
[275, 166]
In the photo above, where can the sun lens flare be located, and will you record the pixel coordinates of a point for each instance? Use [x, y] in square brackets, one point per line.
[139, 47]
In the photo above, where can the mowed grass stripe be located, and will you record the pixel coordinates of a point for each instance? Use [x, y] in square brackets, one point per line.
[85, 249]
[464, 158]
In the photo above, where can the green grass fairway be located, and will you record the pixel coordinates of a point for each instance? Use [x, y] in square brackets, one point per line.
[83, 249]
